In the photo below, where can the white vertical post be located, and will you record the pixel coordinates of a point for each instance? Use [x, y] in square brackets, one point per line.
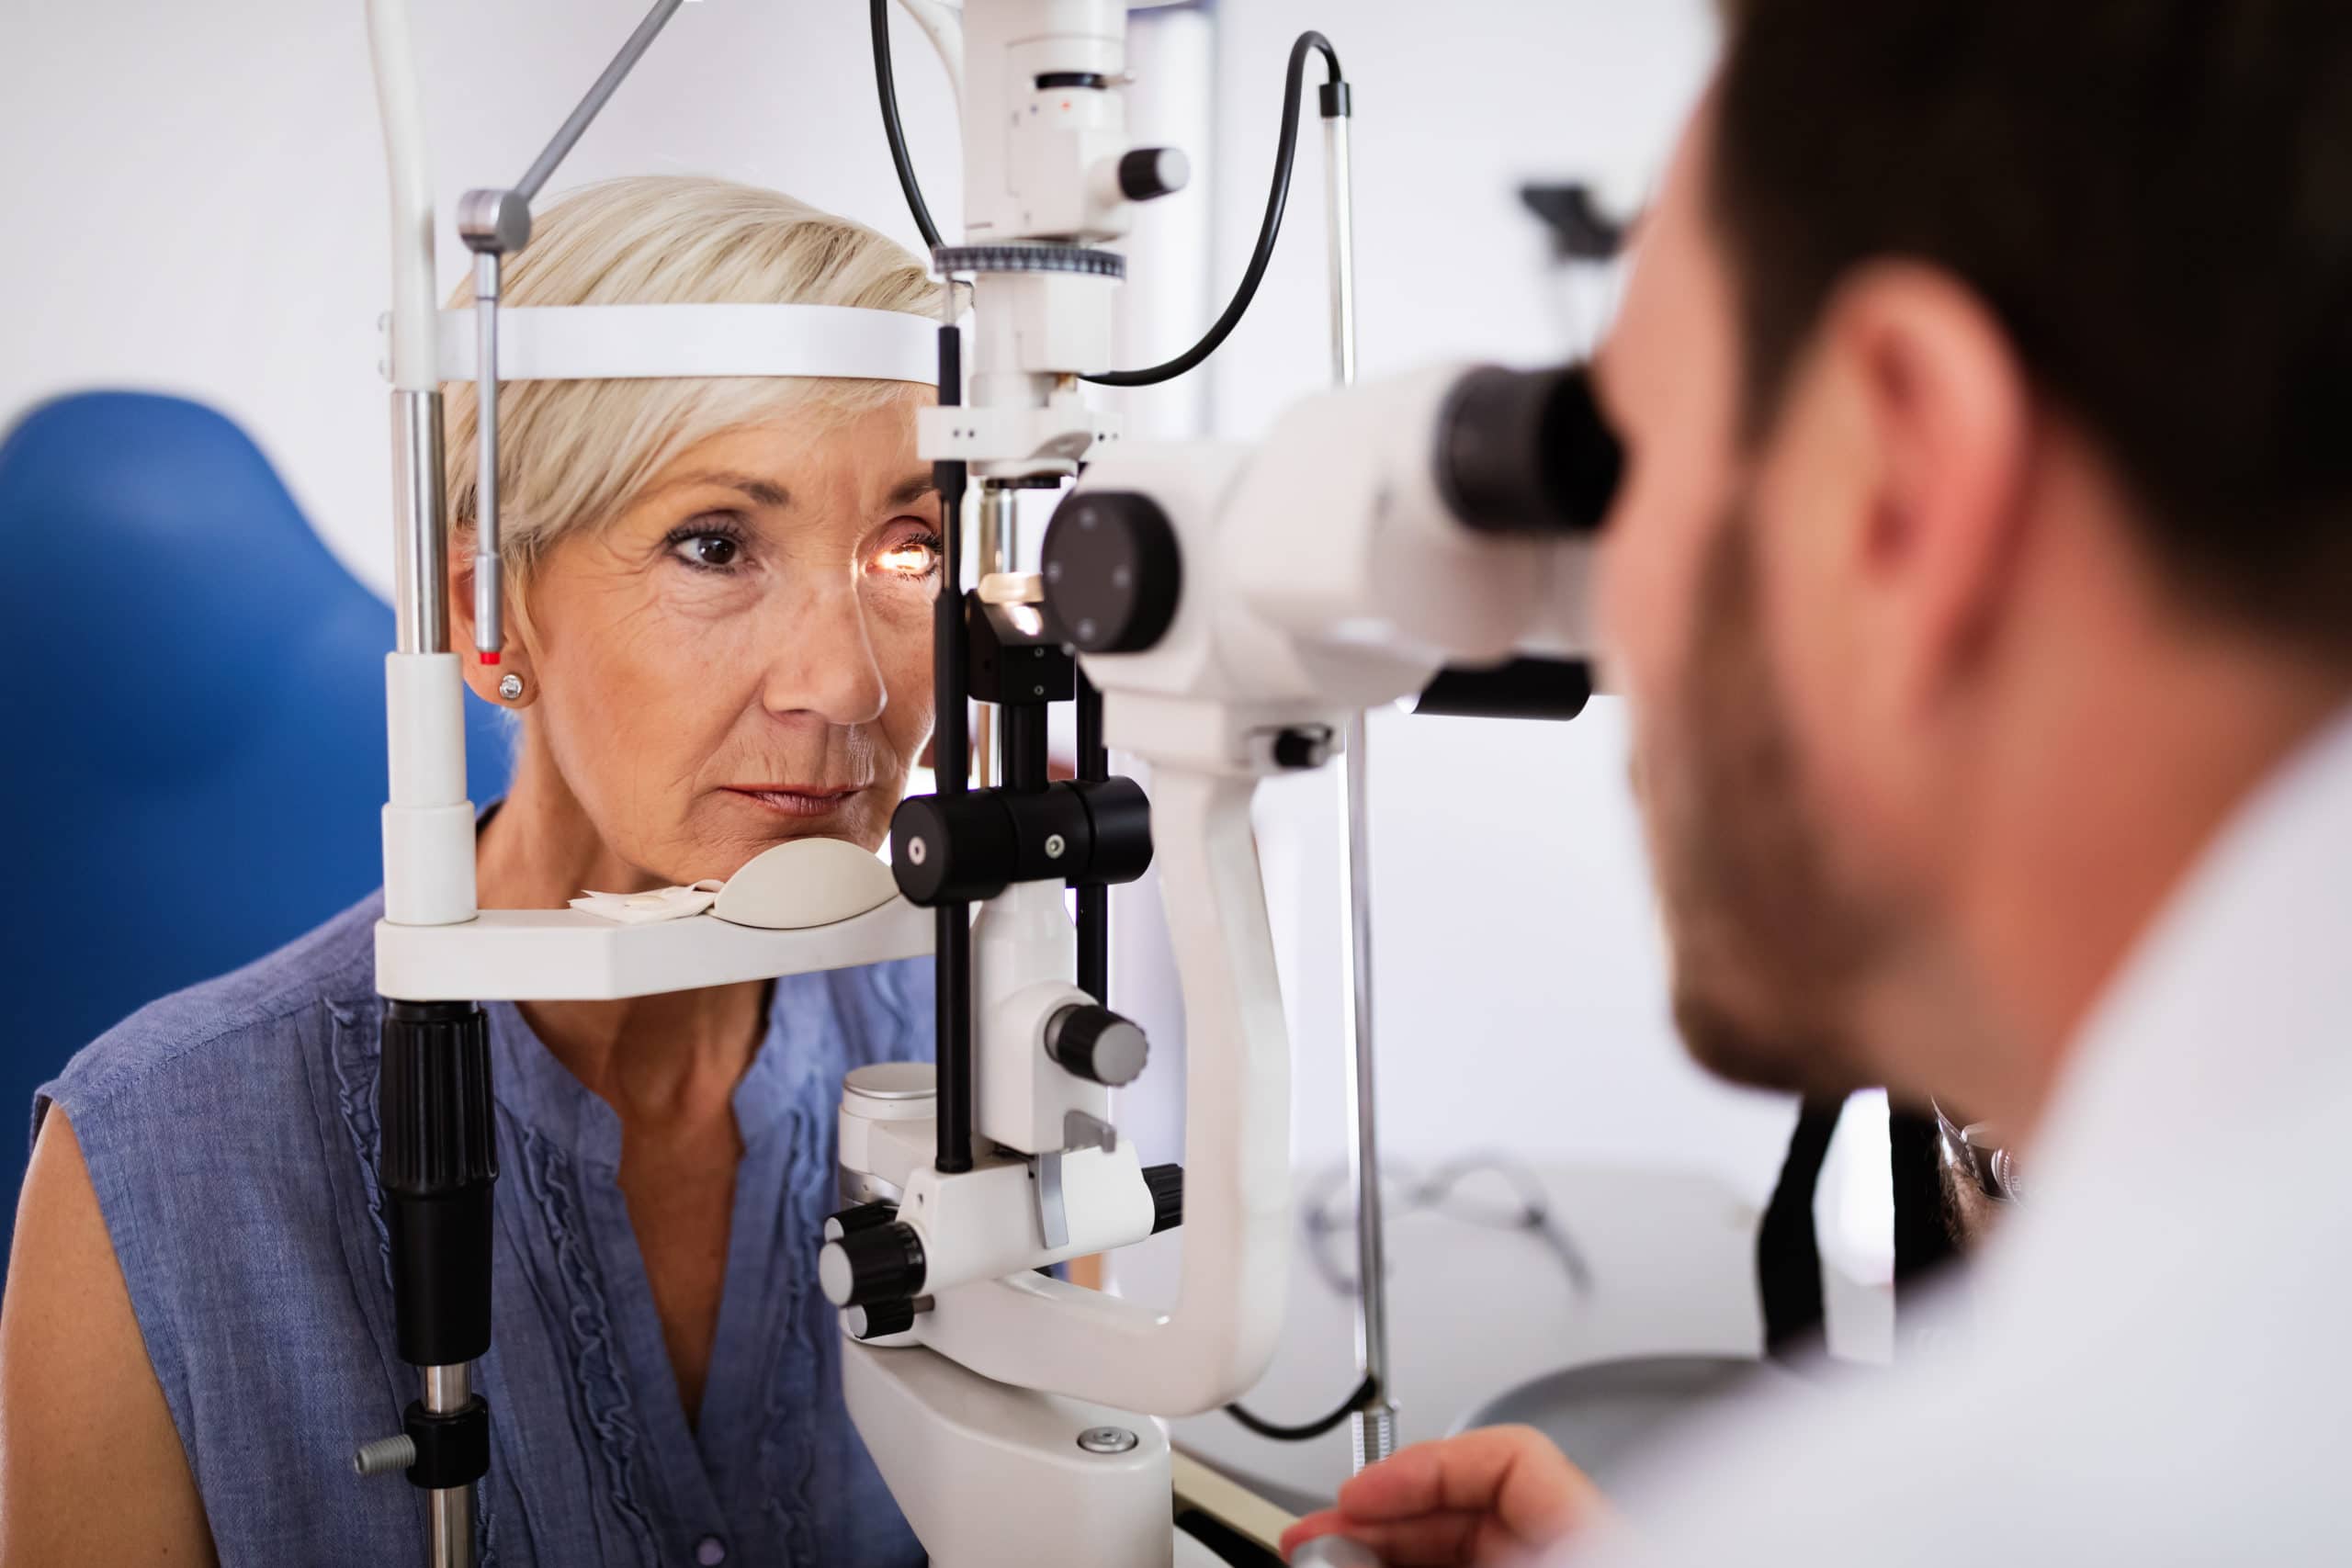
[428, 822]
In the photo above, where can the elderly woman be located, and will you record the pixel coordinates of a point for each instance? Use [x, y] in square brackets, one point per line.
[719, 616]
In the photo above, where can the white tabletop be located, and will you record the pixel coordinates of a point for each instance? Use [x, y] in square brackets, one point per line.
[1476, 1311]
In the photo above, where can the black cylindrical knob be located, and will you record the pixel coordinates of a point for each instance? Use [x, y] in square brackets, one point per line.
[879, 1264]
[953, 849]
[1149, 172]
[880, 1319]
[1167, 1184]
[1527, 451]
[436, 1165]
[858, 1217]
[1113, 572]
[1119, 815]
[1097, 1045]
[1524, 688]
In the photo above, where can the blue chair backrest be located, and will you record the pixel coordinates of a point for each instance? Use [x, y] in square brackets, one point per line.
[194, 717]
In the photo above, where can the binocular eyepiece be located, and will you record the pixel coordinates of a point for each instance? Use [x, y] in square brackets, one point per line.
[1528, 452]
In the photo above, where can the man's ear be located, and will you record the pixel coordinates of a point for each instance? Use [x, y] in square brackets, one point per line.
[1949, 412]
[490, 681]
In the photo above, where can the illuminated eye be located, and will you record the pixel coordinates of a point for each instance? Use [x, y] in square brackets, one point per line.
[907, 557]
[714, 549]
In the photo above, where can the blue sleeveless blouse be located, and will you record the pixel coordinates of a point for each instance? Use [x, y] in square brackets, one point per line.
[230, 1133]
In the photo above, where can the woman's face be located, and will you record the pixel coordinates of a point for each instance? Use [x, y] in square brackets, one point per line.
[743, 655]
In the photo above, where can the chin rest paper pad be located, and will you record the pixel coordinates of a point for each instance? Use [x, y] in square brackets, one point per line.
[804, 882]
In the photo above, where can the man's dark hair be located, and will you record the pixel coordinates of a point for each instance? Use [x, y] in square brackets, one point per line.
[2153, 195]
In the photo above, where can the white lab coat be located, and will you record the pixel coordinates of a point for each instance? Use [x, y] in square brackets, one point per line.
[2156, 1364]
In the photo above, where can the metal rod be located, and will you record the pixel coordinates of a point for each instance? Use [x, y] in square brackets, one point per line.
[992, 553]
[450, 1509]
[1093, 902]
[1339, 210]
[420, 562]
[490, 631]
[544, 166]
[951, 765]
[1373, 1425]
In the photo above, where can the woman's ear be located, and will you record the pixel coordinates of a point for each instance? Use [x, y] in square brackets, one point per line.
[510, 683]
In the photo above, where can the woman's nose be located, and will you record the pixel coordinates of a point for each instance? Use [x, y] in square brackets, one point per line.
[824, 662]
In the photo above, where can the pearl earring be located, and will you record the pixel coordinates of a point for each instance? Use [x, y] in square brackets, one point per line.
[510, 686]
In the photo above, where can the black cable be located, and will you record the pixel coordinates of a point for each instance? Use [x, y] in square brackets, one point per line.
[1285, 155]
[885, 83]
[1336, 102]
[1364, 1391]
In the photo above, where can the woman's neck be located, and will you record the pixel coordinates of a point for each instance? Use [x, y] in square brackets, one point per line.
[661, 1056]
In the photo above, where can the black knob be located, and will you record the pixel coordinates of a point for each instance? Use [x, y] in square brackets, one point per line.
[1302, 749]
[1167, 1184]
[880, 1320]
[436, 1163]
[1097, 1045]
[880, 1263]
[1114, 572]
[1528, 452]
[1149, 172]
[1524, 688]
[953, 849]
[1118, 820]
[859, 1217]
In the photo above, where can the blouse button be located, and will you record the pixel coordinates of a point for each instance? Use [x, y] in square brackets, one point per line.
[710, 1552]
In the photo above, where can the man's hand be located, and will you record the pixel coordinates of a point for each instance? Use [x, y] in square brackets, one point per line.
[1492, 1496]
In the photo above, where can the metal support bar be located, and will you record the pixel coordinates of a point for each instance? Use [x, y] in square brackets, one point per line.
[1373, 1424]
[1093, 902]
[450, 1509]
[995, 506]
[490, 629]
[951, 765]
[420, 562]
[544, 166]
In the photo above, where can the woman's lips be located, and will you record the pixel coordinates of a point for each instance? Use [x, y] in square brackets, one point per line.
[796, 800]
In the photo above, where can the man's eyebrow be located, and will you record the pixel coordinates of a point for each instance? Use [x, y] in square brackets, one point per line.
[759, 491]
[911, 489]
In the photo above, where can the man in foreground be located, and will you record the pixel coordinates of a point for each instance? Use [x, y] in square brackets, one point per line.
[1982, 587]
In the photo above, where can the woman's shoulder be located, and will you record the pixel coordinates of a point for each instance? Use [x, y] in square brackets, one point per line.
[229, 1027]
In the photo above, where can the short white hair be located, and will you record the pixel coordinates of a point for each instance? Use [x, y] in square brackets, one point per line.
[571, 454]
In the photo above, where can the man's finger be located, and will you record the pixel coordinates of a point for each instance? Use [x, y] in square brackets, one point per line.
[1511, 1472]
[1432, 1540]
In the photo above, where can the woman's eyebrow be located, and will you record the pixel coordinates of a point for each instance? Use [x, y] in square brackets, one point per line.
[759, 491]
[911, 489]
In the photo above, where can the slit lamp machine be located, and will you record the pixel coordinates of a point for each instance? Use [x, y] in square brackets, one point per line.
[1220, 612]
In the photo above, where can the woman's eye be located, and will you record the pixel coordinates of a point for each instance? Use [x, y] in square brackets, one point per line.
[912, 558]
[707, 551]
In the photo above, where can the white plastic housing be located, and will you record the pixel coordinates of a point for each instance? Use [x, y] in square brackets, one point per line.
[428, 822]
[1029, 151]
[1038, 1333]
[983, 1223]
[570, 955]
[1023, 951]
[993, 1477]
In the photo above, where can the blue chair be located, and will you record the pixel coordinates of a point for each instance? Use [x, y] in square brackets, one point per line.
[195, 711]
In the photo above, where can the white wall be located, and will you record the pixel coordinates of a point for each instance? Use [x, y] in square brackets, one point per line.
[194, 192]
[1521, 981]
